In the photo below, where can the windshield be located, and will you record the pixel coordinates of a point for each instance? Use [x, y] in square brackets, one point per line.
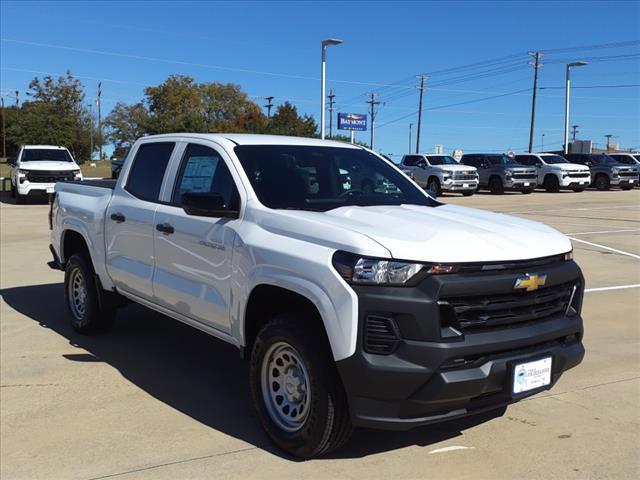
[501, 160]
[442, 160]
[637, 157]
[45, 155]
[323, 178]
[626, 159]
[554, 159]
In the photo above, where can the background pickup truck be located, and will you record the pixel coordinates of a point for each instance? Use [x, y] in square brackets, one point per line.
[37, 168]
[355, 307]
[440, 173]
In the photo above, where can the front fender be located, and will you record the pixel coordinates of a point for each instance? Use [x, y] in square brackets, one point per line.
[336, 302]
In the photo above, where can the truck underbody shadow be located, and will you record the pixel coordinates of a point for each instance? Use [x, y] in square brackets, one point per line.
[193, 372]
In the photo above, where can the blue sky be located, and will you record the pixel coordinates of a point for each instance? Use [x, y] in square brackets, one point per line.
[273, 48]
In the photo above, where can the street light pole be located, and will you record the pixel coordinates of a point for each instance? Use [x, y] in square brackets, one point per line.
[325, 44]
[542, 146]
[566, 102]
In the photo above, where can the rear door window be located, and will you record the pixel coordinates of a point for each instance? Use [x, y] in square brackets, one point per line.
[145, 178]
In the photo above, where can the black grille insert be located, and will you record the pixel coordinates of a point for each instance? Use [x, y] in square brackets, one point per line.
[486, 312]
[381, 335]
[45, 176]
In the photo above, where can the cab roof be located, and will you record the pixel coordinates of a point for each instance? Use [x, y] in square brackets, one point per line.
[254, 139]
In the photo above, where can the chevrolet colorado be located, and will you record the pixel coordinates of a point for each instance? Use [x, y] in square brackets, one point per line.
[379, 308]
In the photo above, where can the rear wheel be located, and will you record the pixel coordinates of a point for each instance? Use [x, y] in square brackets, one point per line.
[296, 389]
[495, 186]
[551, 184]
[82, 297]
[602, 182]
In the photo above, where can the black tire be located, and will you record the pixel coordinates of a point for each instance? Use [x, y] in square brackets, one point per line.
[327, 424]
[13, 191]
[602, 182]
[578, 190]
[468, 194]
[626, 187]
[551, 184]
[495, 186]
[91, 318]
[528, 191]
[434, 185]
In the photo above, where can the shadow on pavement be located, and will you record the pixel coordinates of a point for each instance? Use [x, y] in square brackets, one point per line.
[193, 372]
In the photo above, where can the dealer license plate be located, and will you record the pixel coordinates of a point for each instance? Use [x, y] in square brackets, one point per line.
[531, 375]
[50, 189]
[465, 185]
[526, 184]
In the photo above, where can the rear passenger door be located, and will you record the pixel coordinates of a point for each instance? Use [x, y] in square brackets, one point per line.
[129, 222]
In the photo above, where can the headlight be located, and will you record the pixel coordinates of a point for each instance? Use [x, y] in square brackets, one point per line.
[508, 174]
[376, 271]
[614, 171]
[447, 172]
[23, 172]
[77, 173]
[568, 256]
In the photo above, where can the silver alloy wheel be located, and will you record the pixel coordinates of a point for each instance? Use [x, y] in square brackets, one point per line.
[77, 294]
[285, 386]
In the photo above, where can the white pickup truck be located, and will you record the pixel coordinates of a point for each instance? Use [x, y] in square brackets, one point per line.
[440, 173]
[37, 168]
[381, 308]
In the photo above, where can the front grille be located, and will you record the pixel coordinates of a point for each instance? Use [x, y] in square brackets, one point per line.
[628, 174]
[525, 176]
[486, 312]
[381, 335]
[465, 177]
[43, 176]
[579, 174]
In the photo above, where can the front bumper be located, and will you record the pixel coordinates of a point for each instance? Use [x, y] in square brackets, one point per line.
[575, 182]
[519, 185]
[624, 181]
[459, 185]
[428, 378]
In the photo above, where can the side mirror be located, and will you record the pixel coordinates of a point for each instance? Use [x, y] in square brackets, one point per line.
[432, 194]
[207, 205]
[422, 164]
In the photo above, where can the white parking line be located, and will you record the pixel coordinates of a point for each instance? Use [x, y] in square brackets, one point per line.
[583, 209]
[604, 247]
[606, 231]
[618, 287]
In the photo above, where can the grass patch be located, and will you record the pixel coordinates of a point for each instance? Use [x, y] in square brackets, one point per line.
[102, 169]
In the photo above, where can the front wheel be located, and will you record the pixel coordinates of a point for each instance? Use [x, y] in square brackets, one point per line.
[82, 297]
[551, 184]
[528, 191]
[578, 190]
[434, 186]
[468, 194]
[495, 186]
[602, 182]
[296, 390]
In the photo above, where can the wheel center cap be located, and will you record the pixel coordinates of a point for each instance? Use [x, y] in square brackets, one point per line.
[293, 385]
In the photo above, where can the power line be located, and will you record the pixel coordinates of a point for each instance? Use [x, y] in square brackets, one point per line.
[593, 86]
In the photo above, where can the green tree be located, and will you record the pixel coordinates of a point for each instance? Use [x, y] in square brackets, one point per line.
[55, 114]
[125, 124]
[175, 106]
[286, 121]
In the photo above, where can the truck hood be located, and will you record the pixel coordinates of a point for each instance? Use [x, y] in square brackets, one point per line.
[49, 166]
[442, 234]
[456, 168]
[569, 167]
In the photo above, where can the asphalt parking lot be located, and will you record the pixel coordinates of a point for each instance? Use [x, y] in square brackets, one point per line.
[155, 399]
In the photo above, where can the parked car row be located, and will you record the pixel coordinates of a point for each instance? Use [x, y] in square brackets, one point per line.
[523, 173]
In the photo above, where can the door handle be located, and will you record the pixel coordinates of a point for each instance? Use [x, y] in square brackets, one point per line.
[118, 217]
[165, 228]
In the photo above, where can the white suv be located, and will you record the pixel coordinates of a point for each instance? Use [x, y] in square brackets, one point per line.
[37, 169]
[555, 172]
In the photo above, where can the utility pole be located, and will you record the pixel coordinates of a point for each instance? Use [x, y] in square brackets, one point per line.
[575, 131]
[372, 103]
[422, 78]
[91, 131]
[331, 97]
[536, 64]
[410, 126]
[99, 101]
[4, 129]
[609, 137]
[269, 105]
[17, 98]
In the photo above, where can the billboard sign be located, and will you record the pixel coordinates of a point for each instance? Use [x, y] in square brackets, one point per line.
[352, 121]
